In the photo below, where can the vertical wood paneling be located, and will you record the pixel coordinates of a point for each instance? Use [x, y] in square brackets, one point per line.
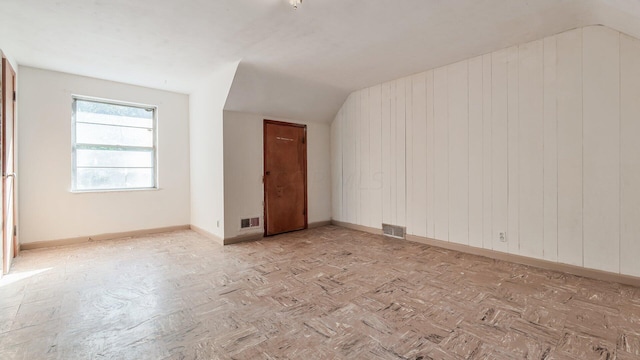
[418, 197]
[401, 152]
[487, 144]
[601, 128]
[348, 144]
[336, 167]
[375, 124]
[409, 155]
[441, 154]
[525, 141]
[550, 247]
[354, 182]
[430, 156]
[531, 149]
[357, 134]
[364, 190]
[408, 152]
[458, 77]
[630, 156]
[513, 225]
[345, 158]
[393, 166]
[499, 149]
[569, 81]
[476, 156]
[387, 156]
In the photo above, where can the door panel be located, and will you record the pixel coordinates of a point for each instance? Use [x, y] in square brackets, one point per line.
[8, 157]
[285, 177]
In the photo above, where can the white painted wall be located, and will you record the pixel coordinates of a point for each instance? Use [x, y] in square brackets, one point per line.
[48, 210]
[243, 170]
[540, 141]
[206, 143]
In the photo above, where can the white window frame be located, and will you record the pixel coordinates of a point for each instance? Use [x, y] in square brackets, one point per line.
[74, 144]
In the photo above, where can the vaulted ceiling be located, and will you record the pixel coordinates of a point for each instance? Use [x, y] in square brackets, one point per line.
[326, 48]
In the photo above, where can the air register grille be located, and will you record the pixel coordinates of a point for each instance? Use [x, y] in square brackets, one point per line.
[249, 223]
[397, 232]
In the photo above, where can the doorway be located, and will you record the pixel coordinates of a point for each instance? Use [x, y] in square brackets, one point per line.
[285, 177]
[9, 241]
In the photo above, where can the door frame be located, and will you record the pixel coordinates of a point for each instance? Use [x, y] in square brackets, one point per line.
[264, 170]
[9, 240]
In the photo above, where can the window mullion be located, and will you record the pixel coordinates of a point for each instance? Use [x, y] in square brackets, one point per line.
[85, 146]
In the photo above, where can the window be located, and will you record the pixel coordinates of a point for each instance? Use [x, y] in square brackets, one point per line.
[114, 145]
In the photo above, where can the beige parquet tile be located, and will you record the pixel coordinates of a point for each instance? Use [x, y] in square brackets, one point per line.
[327, 293]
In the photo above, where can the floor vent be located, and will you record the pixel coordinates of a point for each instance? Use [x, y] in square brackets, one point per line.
[393, 231]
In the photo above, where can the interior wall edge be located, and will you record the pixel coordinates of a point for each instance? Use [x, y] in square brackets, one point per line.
[206, 234]
[318, 224]
[352, 226]
[243, 238]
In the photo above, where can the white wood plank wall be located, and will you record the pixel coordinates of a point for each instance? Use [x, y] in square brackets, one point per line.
[569, 117]
[629, 155]
[601, 148]
[458, 85]
[539, 141]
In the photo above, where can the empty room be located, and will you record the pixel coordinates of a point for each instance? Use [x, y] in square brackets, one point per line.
[320, 179]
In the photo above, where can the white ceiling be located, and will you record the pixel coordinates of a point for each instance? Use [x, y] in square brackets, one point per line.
[331, 45]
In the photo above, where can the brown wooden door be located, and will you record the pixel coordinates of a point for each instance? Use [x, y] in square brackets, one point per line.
[285, 177]
[9, 246]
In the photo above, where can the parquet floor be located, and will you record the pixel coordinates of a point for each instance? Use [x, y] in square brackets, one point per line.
[327, 293]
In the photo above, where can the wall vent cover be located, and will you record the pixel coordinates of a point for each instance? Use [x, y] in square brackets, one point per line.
[249, 222]
[397, 232]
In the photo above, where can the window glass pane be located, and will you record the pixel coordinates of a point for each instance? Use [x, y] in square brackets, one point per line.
[113, 135]
[113, 158]
[105, 179]
[88, 106]
[114, 119]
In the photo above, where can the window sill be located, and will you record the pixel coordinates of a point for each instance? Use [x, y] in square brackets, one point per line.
[112, 190]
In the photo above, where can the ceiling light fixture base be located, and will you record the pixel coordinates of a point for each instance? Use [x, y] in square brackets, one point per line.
[295, 3]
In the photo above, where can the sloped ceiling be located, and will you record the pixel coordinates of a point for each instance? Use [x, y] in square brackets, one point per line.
[280, 96]
[311, 56]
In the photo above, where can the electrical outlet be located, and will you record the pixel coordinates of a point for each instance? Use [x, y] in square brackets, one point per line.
[502, 236]
[218, 223]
